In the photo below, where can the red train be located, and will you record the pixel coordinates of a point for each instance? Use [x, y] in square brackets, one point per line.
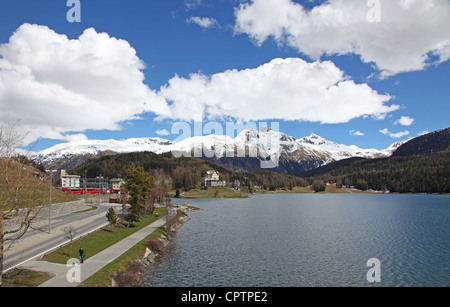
[90, 191]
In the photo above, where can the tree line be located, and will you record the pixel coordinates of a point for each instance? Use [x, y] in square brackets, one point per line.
[414, 174]
[184, 173]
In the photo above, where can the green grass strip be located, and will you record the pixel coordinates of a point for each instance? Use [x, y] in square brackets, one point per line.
[100, 240]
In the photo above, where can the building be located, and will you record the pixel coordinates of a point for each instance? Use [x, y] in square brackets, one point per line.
[117, 184]
[69, 181]
[212, 176]
[212, 180]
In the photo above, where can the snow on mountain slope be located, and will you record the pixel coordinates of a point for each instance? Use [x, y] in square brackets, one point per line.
[262, 144]
[335, 152]
[95, 147]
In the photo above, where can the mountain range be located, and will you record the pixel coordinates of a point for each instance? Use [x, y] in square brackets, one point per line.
[246, 152]
[421, 165]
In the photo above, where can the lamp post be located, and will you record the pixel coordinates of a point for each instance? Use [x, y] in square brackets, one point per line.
[100, 188]
[84, 189]
[50, 202]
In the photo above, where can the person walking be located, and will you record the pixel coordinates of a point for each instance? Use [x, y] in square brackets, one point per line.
[81, 253]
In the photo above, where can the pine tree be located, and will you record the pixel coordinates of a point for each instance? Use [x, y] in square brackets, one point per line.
[139, 185]
[112, 217]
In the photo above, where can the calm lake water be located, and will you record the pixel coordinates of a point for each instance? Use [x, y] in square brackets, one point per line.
[297, 240]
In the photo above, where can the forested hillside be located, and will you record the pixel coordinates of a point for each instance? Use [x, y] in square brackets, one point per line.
[185, 172]
[415, 174]
[425, 144]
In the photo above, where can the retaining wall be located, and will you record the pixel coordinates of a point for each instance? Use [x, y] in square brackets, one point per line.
[56, 210]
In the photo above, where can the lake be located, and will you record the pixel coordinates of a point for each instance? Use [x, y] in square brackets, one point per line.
[302, 240]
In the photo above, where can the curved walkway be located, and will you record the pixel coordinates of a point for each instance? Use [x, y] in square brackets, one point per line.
[94, 263]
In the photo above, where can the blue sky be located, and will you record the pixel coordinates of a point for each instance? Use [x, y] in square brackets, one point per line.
[237, 37]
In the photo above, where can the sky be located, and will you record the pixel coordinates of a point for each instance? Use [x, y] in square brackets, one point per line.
[356, 72]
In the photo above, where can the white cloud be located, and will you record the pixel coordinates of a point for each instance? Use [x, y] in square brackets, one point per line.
[409, 30]
[60, 88]
[384, 131]
[191, 4]
[204, 22]
[75, 137]
[397, 135]
[405, 121]
[55, 85]
[164, 132]
[284, 89]
[356, 133]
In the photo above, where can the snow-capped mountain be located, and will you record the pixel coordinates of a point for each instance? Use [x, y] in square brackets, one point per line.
[244, 152]
[71, 154]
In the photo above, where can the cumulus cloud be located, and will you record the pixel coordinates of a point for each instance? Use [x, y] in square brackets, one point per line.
[191, 4]
[356, 133]
[55, 85]
[409, 34]
[405, 121]
[163, 132]
[397, 135]
[60, 87]
[384, 131]
[284, 89]
[204, 22]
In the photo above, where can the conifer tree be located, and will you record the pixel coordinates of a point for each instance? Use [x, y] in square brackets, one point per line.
[139, 185]
[112, 217]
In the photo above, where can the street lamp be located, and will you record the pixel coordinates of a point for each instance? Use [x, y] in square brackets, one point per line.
[50, 203]
[100, 188]
[84, 181]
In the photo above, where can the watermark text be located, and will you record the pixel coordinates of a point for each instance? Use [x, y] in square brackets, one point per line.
[265, 146]
[74, 13]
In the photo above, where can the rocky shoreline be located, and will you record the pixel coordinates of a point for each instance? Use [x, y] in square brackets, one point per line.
[154, 250]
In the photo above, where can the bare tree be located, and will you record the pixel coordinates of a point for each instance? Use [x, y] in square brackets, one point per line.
[160, 192]
[70, 233]
[21, 192]
[171, 217]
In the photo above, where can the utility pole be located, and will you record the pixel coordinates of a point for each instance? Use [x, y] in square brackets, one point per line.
[84, 181]
[100, 189]
[50, 202]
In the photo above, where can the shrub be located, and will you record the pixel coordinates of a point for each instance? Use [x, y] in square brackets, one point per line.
[362, 185]
[319, 186]
[155, 245]
[131, 277]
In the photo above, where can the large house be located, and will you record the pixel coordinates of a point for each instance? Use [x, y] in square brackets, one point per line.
[69, 181]
[117, 184]
[212, 180]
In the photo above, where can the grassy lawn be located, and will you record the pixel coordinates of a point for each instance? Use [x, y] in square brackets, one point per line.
[100, 240]
[25, 278]
[330, 189]
[59, 197]
[287, 191]
[104, 277]
[232, 193]
[214, 193]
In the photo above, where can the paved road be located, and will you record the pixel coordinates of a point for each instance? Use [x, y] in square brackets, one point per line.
[93, 264]
[36, 243]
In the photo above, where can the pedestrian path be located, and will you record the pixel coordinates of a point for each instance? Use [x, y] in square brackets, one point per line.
[94, 263]
[39, 241]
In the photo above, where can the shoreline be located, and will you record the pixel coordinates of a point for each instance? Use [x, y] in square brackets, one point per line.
[154, 250]
[105, 275]
[331, 189]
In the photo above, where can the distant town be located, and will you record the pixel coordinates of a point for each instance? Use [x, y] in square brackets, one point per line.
[75, 184]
